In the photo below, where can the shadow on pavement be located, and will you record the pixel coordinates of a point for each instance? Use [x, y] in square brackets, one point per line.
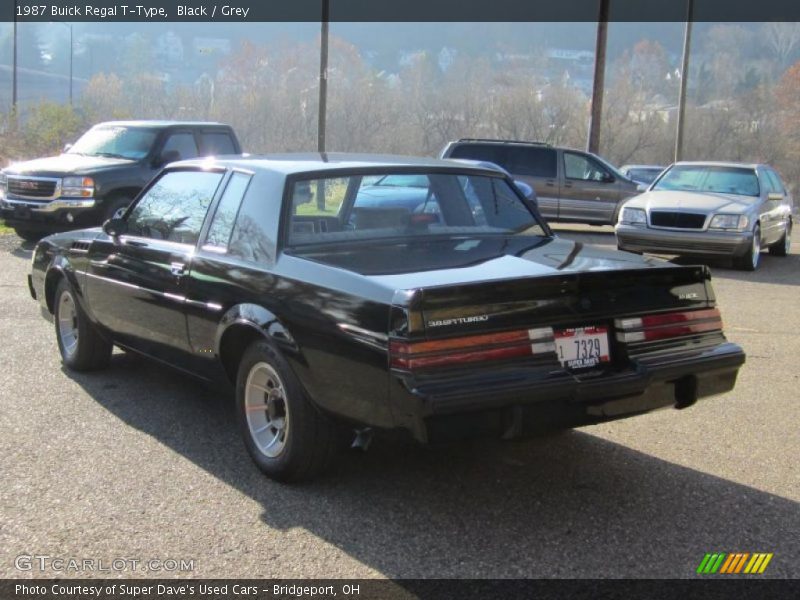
[570, 505]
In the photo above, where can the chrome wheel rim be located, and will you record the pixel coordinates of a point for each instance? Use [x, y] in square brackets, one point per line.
[266, 410]
[756, 247]
[68, 324]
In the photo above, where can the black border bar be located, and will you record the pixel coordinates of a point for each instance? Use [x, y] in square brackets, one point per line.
[402, 10]
[706, 588]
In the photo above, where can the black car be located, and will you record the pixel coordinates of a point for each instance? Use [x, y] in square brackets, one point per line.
[265, 273]
[101, 173]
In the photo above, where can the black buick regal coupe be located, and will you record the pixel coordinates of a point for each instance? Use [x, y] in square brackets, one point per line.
[330, 310]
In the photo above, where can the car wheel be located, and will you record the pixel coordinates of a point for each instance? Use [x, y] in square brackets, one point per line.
[82, 347]
[29, 235]
[750, 260]
[784, 245]
[284, 433]
[116, 207]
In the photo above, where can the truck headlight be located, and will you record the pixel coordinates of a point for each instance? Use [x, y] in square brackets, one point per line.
[735, 222]
[77, 187]
[633, 216]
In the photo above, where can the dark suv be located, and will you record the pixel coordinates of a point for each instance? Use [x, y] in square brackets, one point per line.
[571, 185]
[101, 173]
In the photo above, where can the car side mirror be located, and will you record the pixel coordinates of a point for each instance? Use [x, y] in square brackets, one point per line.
[607, 178]
[167, 157]
[115, 227]
[641, 187]
[775, 196]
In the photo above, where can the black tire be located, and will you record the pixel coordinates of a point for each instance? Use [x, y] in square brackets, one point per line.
[29, 235]
[750, 260]
[115, 204]
[87, 350]
[784, 245]
[309, 438]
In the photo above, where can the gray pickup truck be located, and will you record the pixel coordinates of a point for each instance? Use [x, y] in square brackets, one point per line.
[570, 185]
[97, 176]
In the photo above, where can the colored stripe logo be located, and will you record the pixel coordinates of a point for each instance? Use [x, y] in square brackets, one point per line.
[734, 563]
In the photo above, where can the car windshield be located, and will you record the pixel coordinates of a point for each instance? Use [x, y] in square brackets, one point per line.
[358, 208]
[742, 181]
[115, 142]
[643, 175]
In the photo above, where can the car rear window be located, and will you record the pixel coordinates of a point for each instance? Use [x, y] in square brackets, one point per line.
[364, 207]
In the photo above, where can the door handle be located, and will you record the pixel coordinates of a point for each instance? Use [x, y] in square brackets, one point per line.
[135, 244]
[550, 183]
[178, 269]
[567, 184]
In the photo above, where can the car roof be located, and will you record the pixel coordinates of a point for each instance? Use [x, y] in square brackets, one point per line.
[156, 124]
[292, 163]
[642, 167]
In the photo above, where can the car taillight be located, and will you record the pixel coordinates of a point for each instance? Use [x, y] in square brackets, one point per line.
[668, 325]
[471, 349]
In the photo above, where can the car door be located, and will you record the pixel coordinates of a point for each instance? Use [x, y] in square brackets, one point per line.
[589, 193]
[777, 207]
[136, 280]
[538, 167]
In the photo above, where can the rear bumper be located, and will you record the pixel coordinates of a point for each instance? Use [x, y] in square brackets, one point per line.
[540, 403]
[688, 242]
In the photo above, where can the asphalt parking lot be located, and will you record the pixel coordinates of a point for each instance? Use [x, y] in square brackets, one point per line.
[140, 462]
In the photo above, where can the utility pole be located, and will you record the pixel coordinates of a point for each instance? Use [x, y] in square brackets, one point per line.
[687, 43]
[598, 87]
[323, 96]
[14, 72]
[323, 76]
[70, 57]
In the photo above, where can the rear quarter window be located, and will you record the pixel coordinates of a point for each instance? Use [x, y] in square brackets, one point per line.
[489, 152]
[532, 162]
[216, 143]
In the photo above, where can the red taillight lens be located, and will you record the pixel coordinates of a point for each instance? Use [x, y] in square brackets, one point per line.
[668, 325]
[470, 349]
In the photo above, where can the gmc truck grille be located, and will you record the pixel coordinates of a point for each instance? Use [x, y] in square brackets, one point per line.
[680, 220]
[35, 189]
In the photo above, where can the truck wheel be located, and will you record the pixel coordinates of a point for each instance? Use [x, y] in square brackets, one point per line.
[750, 260]
[29, 235]
[116, 207]
[284, 433]
[784, 245]
[82, 347]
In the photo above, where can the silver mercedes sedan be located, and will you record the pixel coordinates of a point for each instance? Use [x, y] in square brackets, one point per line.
[710, 209]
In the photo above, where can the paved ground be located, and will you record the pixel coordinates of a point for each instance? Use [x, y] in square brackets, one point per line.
[139, 462]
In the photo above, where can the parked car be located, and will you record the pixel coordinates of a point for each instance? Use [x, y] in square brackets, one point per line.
[570, 185]
[711, 209]
[476, 323]
[101, 173]
[644, 174]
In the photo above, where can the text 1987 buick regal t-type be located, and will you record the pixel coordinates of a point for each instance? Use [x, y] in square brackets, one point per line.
[459, 315]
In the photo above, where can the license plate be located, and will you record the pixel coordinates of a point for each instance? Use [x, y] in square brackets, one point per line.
[582, 347]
